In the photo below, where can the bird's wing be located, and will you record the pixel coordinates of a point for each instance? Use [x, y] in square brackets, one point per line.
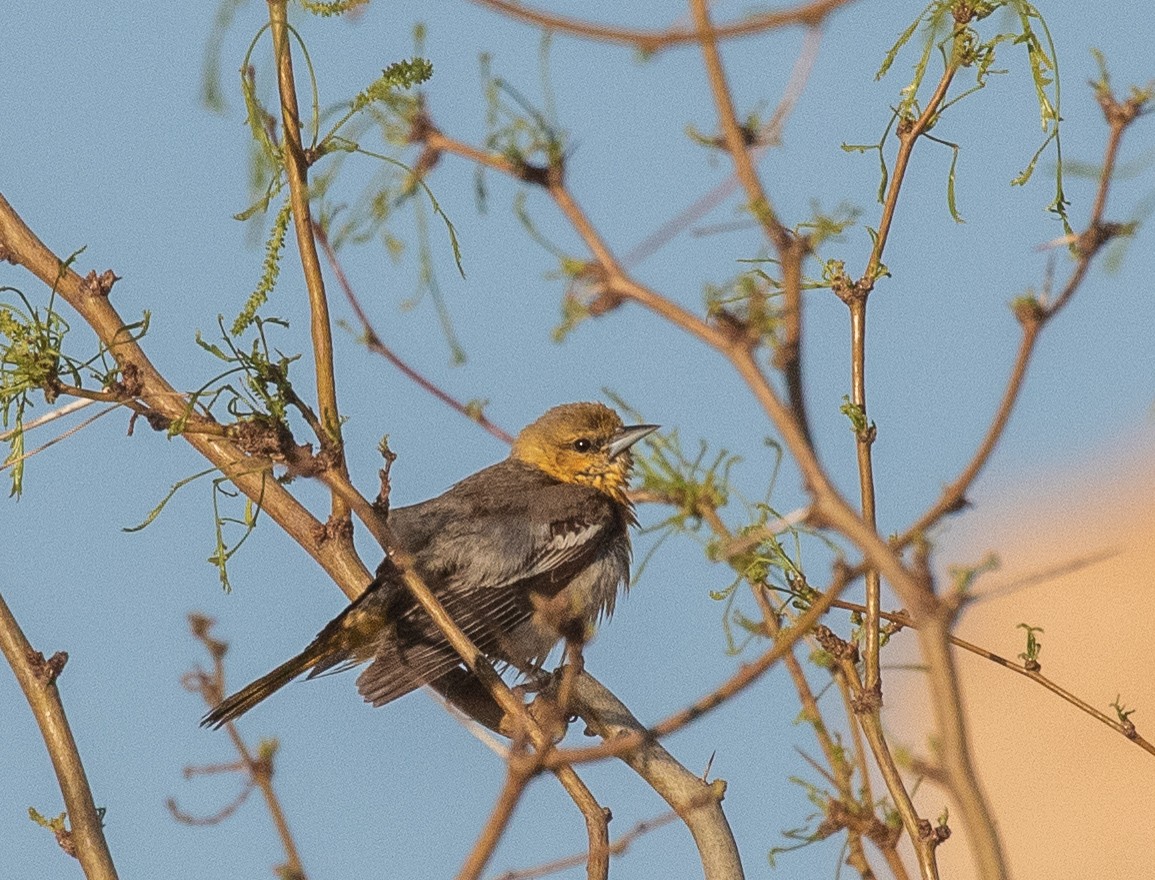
[486, 588]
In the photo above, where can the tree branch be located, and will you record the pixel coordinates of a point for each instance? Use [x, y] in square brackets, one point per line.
[297, 171]
[251, 475]
[920, 832]
[37, 678]
[1126, 729]
[812, 13]
[697, 803]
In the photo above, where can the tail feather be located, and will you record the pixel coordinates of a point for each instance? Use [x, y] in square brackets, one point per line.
[231, 708]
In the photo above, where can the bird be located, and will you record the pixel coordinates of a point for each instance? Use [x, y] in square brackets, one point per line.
[522, 554]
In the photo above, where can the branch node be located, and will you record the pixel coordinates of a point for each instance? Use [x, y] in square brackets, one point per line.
[868, 701]
[46, 671]
[933, 834]
[98, 285]
[336, 528]
[838, 648]
[381, 502]
[853, 293]
[538, 175]
[1092, 239]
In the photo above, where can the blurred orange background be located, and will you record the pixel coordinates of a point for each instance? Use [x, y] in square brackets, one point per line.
[1073, 797]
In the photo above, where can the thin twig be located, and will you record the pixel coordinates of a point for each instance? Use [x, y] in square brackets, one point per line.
[768, 135]
[1120, 115]
[297, 172]
[810, 14]
[50, 416]
[375, 344]
[738, 682]
[791, 248]
[618, 847]
[9, 462]
[920, 832]
[258, 771]
[37, 678]
[1126, 729]
[909, 132]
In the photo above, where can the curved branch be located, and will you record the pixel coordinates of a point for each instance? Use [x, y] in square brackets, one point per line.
[37, 678]
[697, 803]
[812, 13]
[733, 135]
[746, 675]
[954, 495]
[20, 245]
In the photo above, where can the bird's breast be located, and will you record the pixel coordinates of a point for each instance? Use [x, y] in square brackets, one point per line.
[573, 610]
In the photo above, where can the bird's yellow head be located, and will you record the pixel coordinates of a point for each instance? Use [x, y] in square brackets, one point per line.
[583, 443]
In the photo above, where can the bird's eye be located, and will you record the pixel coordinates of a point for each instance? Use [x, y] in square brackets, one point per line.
[582, 444]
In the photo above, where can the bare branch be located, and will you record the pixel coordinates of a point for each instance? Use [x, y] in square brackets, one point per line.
[516, 780]
[922, 835]
[697, 803]
[251, 475]
[297, 171]
[811, 14]
[37, 678]
[1128, 729]
[375, 344]
[256, 769]
[618, 847]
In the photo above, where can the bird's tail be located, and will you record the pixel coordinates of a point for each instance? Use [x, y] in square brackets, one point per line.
[243, 700]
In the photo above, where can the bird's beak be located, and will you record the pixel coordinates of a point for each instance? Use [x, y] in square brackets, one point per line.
[627, 437]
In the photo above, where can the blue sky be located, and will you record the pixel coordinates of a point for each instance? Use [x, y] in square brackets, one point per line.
[108, 147]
